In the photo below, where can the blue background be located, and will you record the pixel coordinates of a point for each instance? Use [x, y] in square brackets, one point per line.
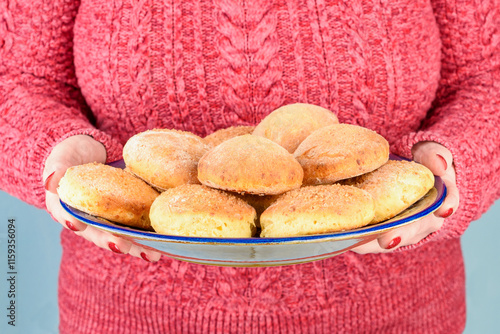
[38, 254]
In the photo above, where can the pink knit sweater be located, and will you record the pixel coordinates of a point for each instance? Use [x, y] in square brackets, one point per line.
[412, 70]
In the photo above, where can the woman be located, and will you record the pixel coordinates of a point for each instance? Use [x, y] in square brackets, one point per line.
[78, 79]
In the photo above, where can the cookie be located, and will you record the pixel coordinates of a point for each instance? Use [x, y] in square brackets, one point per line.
[340, 151]
[199, 211]
[165, 158]
[108, 192]
[317, 209]
[395, 186]
[291, 124]
[250, 164]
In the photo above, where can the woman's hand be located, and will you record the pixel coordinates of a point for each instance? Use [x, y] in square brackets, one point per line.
[78, 150]
[440, 161]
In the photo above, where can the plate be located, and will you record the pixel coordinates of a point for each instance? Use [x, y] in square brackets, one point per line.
[265, 252]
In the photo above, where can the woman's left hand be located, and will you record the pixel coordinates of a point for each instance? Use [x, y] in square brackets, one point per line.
[440, 161]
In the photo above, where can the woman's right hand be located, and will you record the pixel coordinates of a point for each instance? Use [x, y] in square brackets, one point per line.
[78, 150]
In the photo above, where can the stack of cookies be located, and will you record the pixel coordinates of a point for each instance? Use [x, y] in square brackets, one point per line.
[298, 172]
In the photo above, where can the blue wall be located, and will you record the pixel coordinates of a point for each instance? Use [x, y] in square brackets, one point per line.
[38, 253]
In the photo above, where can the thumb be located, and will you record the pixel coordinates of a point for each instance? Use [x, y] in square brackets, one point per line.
[72, 151]
[51, 182]
[434, 156]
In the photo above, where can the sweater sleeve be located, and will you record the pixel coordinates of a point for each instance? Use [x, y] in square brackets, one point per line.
[40, 104]
[465, 116]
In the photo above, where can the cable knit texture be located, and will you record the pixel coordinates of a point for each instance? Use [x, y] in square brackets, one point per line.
[412, 70]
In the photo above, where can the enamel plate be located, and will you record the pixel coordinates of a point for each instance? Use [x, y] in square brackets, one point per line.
[264, 252]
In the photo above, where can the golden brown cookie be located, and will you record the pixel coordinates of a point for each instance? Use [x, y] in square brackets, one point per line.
[199, 211]
[250, 164]
[108, 192]
[165, 158]
[317, 209]
[222, 135]
[340, 151]
[395, 186]
[291, 124]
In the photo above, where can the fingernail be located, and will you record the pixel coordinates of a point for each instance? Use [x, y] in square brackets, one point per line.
[394, 242]
[114, 248]
[71, 226]
[445, 164]
[447, 213]
[46, 183]
[145, 257]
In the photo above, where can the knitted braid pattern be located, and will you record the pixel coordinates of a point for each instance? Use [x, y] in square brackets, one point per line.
[321, 45]
[249, 66]
[171, 64]
[131, 70]
[6, 30]
[196, 38]
[291, 52]
[137, 69]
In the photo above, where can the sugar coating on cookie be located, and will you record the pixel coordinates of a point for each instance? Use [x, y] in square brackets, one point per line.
[108, 192]
[317, 209]
[395, 186]
[250, 164]
[165, 158]
[340, 151]
[289, 125]
[197, 210]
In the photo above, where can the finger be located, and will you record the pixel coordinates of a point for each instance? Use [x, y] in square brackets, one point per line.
[60, 215]
[410, 234]
[368, 248]
[452, 200]
[53, 172]
[434, 156]
[145, 254]
[106, 240]
[52, 181]
[118, 245]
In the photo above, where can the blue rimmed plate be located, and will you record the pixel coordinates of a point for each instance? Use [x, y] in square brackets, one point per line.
[262, 252]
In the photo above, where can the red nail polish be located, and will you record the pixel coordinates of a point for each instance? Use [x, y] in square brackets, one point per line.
[445, 164]
[46, 183]
[114, 248]
[145, 257]
[394, 242]
[447, 213]
[71, 226]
